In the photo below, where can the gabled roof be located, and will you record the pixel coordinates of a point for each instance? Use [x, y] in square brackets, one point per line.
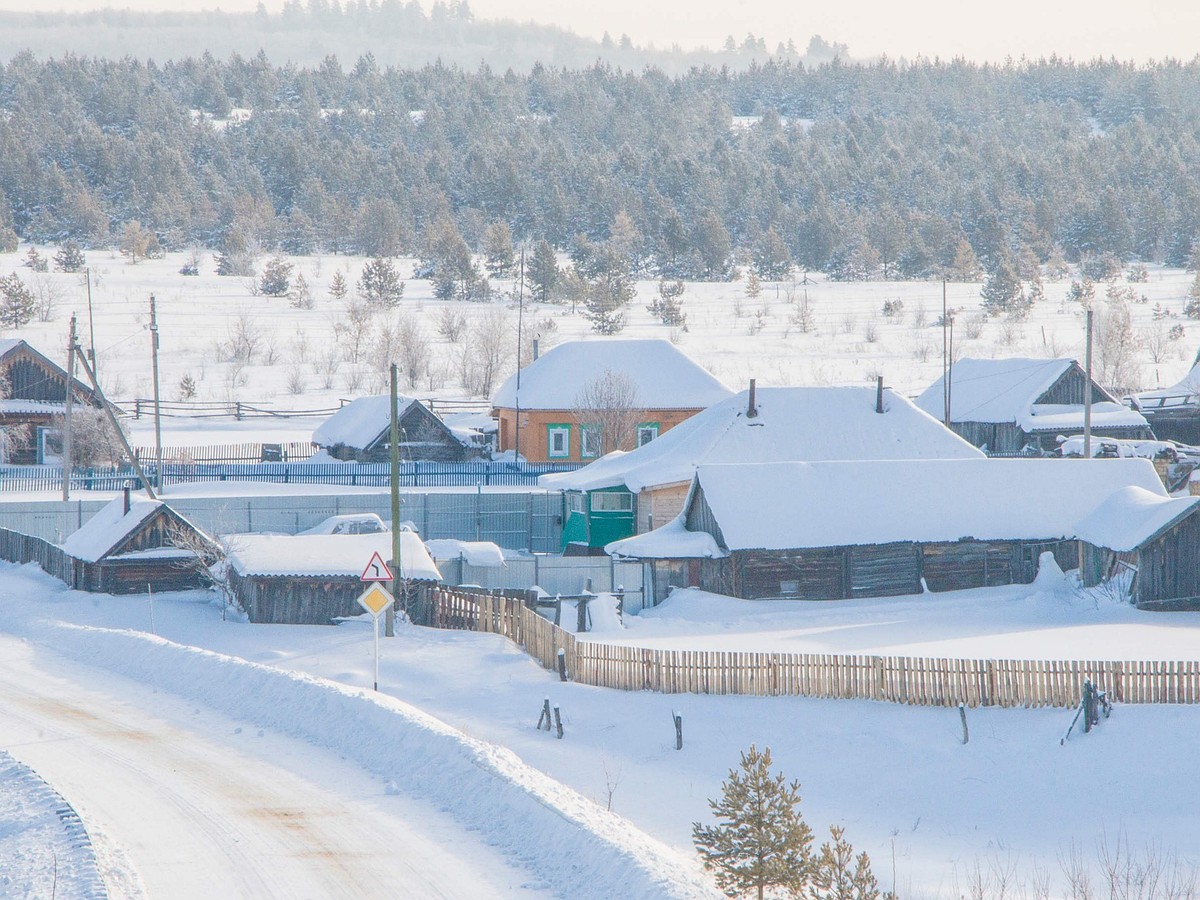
[1132, 517]
[12, 346]
[111, 527]
[338, 556]
[810, 424]
[779, 506]
[665, 377]
[360, 422]
[1003, 391]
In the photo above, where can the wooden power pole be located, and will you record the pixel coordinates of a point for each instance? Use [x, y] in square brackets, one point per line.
[389, 629]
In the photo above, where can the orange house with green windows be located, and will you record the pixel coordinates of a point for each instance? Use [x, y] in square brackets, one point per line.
[538, 409]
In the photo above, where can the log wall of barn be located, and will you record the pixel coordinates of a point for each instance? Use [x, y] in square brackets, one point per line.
[883, 570]
[1169, 567]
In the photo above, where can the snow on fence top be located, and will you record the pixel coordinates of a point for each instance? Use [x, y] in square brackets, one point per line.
[1131, 517]
[338, 556]
[780, 506]
[790, 423]
[484, 554]
[665, 377]
[1007, 390]
[359, 422]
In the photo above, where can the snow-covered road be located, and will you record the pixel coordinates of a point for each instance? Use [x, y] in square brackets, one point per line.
[182, 804]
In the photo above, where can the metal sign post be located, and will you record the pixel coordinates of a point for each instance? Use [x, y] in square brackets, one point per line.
[375, 600]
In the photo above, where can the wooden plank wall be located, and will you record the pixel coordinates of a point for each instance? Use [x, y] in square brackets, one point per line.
[23, 548]
[895, 679]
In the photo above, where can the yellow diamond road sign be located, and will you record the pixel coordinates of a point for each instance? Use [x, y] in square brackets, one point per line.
[375, 600]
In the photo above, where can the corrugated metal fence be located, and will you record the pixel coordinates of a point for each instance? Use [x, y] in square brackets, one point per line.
[915, 681]
[513, 519]
[566, 575]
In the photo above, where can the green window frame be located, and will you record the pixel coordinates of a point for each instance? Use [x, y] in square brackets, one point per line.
[591, 442]
[561, 435]
[647, 432]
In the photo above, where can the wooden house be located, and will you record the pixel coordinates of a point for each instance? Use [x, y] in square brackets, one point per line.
[833, 530]
[1008, 405]
[627, 493]
[1173, 412]
[1147, 544]
[315, 579]
[135, 545]
[539, 407]
[35, 402]
[361, 432]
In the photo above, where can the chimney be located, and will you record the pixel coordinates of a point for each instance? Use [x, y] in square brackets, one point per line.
[752, 409]
[126, 493]
[879, 394]
[535, 348]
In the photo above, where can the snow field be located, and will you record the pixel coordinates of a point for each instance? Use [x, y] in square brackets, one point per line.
[897, 778]
[299, 360]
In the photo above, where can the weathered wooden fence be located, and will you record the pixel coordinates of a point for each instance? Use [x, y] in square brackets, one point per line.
[23, 548]
[895, 679]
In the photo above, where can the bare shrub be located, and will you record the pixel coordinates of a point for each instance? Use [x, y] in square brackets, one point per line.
[488, 346]
[607, 411]
[243, 340]
[451, 324]
[1011, 331]
[871, 331]
[48, 293]
[973, 325]
[849, 323]
[352, 329]
[296, 380]
[327, 365]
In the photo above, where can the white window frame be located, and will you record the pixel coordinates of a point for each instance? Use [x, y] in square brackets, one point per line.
[651, 428]
[591, 442]
[552, 432]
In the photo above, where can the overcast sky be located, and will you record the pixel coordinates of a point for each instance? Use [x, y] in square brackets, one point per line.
[978, 30]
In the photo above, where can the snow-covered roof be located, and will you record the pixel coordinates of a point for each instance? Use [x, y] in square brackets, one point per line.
[778, 506]
[796, 423]
[485, 554]
[359, 422]
[993, 390]
[100, 534]
[1007, 390]
[671, 541]
[349, 523]
[8, 344]
[341, 555]
[17, 406]
[1132, 516]
[665, 377]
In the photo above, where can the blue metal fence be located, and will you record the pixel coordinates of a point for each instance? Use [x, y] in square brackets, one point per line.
[412, 474]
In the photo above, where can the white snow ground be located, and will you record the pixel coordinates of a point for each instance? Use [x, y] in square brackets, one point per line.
[936, 813]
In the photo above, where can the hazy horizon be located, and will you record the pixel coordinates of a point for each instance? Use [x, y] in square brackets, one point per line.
[930, 28]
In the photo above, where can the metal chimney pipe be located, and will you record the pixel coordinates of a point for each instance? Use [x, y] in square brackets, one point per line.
[126, 493]
[752, 409]
[879, 394]
[535, 348]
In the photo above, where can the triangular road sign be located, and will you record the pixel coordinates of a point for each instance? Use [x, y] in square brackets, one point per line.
[376, 570]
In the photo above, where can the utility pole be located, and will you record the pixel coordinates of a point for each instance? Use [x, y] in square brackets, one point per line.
[389, 629]
[91, 323]
[67, 455]
[520, 334]
[1087, 397]
[106, 407]
[157, 410]
[945, 362]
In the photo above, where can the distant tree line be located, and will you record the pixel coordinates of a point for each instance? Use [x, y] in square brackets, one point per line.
[863, 171]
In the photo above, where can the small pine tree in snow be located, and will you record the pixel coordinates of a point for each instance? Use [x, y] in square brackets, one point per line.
[69, 258]
[276, 278]
[840, 875]
[760, 839]
[753, 286]
[17, 303]
[338, 289]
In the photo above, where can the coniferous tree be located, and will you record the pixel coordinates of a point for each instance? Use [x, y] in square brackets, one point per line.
[380, 284]
[760, 839]
[499, 256]
[840, 875]
[69, 258]
[1001, 290]
[772, 259]
[338, 289]
[1191, 306]
[542, 271]
[276, 278]
[17, 302]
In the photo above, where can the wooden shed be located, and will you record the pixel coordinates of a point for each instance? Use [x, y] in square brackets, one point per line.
[361, 432]
[36, 401]
[315, 579]
[135, 545]
[837, 530]
[1008, 405]
[1146, 544]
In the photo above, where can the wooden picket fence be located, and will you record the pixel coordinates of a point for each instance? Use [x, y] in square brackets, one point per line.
[895, 679]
